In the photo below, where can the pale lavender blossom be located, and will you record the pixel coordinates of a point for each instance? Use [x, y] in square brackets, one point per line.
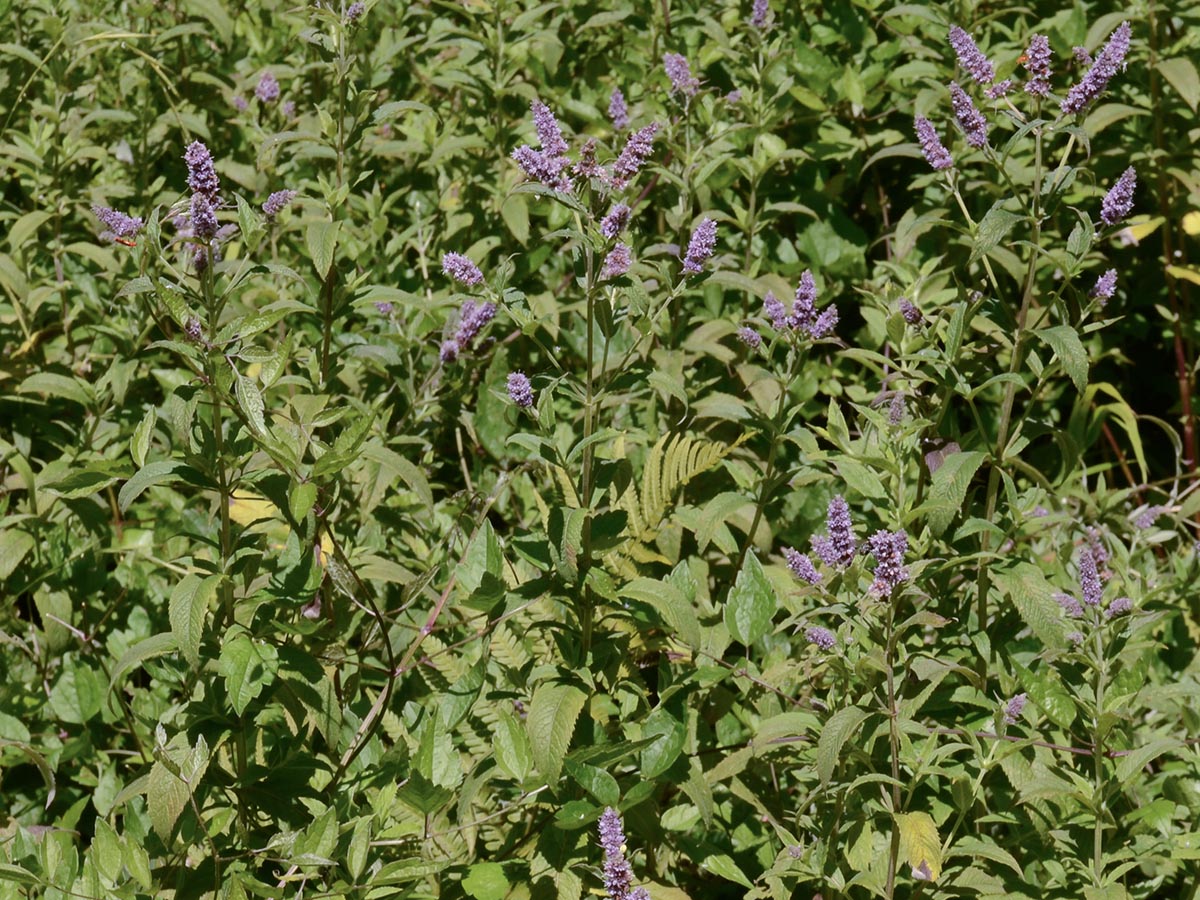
[1119, 199]
[547, 165]
[825, 324]
[520, 391]
[701, 246]
[970, 57]
[680, 73]
[1106, 286]
[118, 224]
[1147, 517]
[1000, 89]
[774, 310]
[909, 311]
[936, 154]
[760, 14]
[804, 306]
[267, 89]
[974, 125]
[1075, 637]
[1014, 708]
[616, 220]
[1037, 64]
[202, 175]
[839, 546]
[240, 103]
[449, 350]
[634, 155]
[288, 108]
[192, 330]
[618, 876]
[1119, 607]
[203, 218]
[1069, 604]
[733, 97]
[587, 167]
[461, 269]
[822, 637]
[471, 320]
[616, 263]
[748, 336]
[1100, 553]
[355, 11]
[277, 202]
[384, 307]
[1089, 578]
[888, 548]
[618, 110]
[1110, 58]
[802, 566]
[548, 131]
[1082, 56]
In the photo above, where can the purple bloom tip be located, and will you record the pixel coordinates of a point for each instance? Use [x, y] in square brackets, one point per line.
[1119, 199]
[520, 391]
[277, 203]
[119, 224]
[822, 637]
[936, 154]
[1014, 708]
[461, 269]
[970, 57]
[267, 89]
[616, 263]
[701, 246]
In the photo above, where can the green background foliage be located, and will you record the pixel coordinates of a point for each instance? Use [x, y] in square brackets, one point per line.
[290, 606]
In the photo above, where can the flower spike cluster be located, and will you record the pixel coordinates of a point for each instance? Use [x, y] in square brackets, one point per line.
[471, 319]
[119, 225]
[936, 154]
[549, 164]
[701, 246]
[618, 876]
[1119, 199]
[970, 57]
[680, 73]
[618, 110]
[974, 125]
[1108, 61]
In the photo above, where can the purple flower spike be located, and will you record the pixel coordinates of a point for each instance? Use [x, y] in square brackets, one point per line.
[520, 391]
[267, 90]
[240, 103]
[1119, 199]
[760, 14]
[1089, 578]
[936, 155]
[618, 876]
[618, 110]
[587, 167]
[634, 155]
[974, 125]
[202, 175]
[1014, 708]
[1070, 606]
[804, 306]
[972, 60]
[680, 73]
[461, 269]
[355, 11]
[1119, 607]
[547, 165]
[1082, 56]
[774, 310]
[701, 246]
[548, 131]
[802, 566]
[617, 262]
[888, 548]
[472, 317]
[1106, 286]
[616, 220]
[822, 637]
[825, 325]
[449, 350]
[748, 336]
[119, 224]
[277, 203]
[1037, 64]
[1110, 58]
[1000, 89]
[204, 218]
[838, 549]
[911, 314]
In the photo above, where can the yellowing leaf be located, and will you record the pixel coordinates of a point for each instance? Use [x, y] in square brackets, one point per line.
[1140, 228]
[920, 845]
[1191, 222]
[246, 508]
[1187, 273]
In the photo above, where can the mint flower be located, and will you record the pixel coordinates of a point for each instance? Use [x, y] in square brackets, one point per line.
[936, 154]
[202, 175]
[1110, 58]
[974, 125]
[618, 110]
[520, 391]
[680, 73]
[802, 566]
[461, 269]
[1119, 199]
[701, 246]
[970, 57]
[822, 637]
[119, 225]
[1037, 64]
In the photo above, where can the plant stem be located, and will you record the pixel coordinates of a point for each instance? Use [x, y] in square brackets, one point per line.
[223, 483]
[1098, 761]
[587, 611]
[893, 746]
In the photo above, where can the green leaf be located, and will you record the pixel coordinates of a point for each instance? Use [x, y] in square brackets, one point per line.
[322, 238]
[553, 712]
[920, 845]
[54, 385]
[247, 666]
[751, 603]
[160, 472]
[1032, 596]
[360, 844]
[106, 851]
[595, 781]
[147, 648]
[176, 773]
[14, 545]
[1132, 764]
[1181, 73]
[486, 881]
[513, 752]
[723, 866]
[143, 434]
[839, 729]
[251, 403]
[993, 228]
[19, 874]
[1064, 341]
[77, 694]
[948, 488]
[667, 736]
[669, 602]
[187, 609]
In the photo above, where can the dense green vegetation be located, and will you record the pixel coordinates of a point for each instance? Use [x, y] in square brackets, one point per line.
[425, 426]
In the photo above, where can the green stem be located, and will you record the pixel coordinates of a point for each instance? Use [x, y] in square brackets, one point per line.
[894, 747]
[587, 613]
[1098, 761]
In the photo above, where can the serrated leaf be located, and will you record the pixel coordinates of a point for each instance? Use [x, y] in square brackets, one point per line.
[1182, 75]
[553, 712]
[14, 545]
[751, 603]
[948, 488]
[251, 403]
[1064, 341]
[1130, 765]
[187, 610]
[668, 735]
[513, 752]
[360, 842]
[670, 603]
[247, 666]
[920, 845]
[321, 239]
[723, 866]
[486, 881]
[19, 874]
[839, 729]
[1031, 595]
[160, 472]
[993, 228]
[143, 434]
[595, 781]
[147, 648]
